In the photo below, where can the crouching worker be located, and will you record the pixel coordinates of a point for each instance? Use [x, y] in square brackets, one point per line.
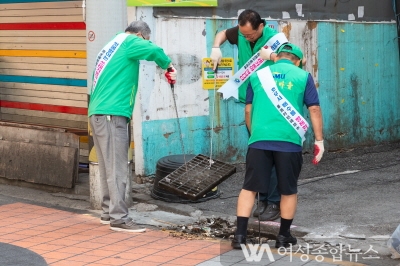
[275, 116]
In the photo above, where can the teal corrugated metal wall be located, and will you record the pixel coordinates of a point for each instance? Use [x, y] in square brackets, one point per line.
[230, 134]
[358, 70]
[358, 84]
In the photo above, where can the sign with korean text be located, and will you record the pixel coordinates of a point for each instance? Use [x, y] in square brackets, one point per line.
[173, 3]
[224, 73]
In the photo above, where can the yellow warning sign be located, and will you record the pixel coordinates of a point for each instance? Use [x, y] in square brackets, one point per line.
[224, 72]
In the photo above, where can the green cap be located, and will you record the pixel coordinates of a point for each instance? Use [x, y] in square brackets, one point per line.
[293, 49]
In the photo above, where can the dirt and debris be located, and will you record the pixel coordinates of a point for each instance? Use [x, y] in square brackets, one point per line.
[212, 229]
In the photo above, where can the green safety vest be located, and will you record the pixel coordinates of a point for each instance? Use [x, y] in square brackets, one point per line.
[245, 53]
[267, 124]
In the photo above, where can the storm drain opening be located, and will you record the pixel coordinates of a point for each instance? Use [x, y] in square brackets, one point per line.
[196, 177]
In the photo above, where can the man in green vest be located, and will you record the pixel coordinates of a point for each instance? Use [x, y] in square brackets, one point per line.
[250, 35]
[114, 87]
[277, 127]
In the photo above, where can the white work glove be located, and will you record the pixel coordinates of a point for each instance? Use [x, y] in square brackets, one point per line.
[265, 53]
[318, 151]
[170, 74]
[216, 56]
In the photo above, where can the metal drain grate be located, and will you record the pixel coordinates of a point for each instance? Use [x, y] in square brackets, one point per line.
[195, 178]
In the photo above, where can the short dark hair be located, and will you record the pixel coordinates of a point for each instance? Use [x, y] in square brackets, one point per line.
[250, 16]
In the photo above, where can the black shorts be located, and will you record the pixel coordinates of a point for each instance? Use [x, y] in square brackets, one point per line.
[259, 164]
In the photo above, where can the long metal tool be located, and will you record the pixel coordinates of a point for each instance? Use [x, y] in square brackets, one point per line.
[177, 119]
[213, 114]
[201, 174]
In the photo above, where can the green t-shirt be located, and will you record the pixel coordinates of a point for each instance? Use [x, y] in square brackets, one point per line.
[116, 87]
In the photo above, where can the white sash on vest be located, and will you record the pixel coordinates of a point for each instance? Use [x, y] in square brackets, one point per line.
[105, 55]
[285, 108]
[231, 87]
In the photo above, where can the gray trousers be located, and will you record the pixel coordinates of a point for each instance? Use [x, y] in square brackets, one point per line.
[111, 141]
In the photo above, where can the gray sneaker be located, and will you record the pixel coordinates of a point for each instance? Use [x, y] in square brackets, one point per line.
[129, 226]
[105, 220]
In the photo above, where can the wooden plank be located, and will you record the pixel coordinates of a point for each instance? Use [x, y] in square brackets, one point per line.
[45, 67]
[48, 115]
[38, 73]
[44, 107]
[44, 26]
[22, 6]
[45, 121]
[46, 101]
[44, 60]
[42, 33]
[44, 80]
[41, 12]
[43, 87]
[45, 94]
[42, 53]
[46, 47]
[43, 40]
[75, 18]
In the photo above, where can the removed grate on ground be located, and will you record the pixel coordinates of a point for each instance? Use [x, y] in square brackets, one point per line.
[195, 178]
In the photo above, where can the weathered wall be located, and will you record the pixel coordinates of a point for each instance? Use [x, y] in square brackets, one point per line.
[293, 9]
[359, 83]
[343, 57]
[43, 65]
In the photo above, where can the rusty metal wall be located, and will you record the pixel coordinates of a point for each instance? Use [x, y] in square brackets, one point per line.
[359, 83]
[358, 88]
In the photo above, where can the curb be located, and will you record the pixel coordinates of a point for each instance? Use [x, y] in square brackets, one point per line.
[271, 228]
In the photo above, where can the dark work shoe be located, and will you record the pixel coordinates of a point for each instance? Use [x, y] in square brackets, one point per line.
[272, 212]
[129, 226]
[237, 240]
[260, 208]
[285, 241]
[104, 220]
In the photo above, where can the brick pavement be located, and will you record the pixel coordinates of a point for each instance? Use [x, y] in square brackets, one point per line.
[67, 238]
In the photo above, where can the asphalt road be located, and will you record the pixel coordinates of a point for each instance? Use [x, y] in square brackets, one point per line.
[352, 197]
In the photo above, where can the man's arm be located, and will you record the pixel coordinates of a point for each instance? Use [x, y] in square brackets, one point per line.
[247, 116]
[248, 107]
[140, 49]
[316, 121]
[220, 38]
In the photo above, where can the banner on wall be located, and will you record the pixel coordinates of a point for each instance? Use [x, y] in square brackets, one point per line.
[172, 3]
